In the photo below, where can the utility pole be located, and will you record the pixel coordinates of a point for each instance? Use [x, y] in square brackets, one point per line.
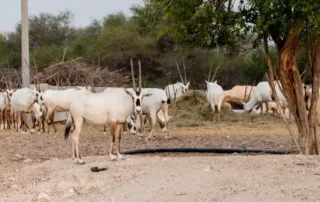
[25, 71]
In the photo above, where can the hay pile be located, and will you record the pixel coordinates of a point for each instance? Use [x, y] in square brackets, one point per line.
[192, 110]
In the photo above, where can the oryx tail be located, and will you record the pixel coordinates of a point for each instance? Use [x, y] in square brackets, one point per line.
[68, 126]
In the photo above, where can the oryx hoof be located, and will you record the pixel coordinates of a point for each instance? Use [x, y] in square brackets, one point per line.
[81, 162]
[104, 133]
[32, 130]
[120, 156]
[113, 157]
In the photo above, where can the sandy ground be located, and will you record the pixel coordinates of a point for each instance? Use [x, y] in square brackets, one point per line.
[40, 166]
[193, 178]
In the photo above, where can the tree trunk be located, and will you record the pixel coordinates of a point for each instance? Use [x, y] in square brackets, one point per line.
[294, 91]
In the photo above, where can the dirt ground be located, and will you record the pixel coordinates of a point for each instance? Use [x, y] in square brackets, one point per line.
[34, 166]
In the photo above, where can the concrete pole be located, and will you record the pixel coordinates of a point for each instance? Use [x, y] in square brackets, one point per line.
[25, 71]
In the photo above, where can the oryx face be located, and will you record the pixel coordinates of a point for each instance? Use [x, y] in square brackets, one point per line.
[38, 97]
[84, 88]
[185, 87]
[137, 96]
[9, 93]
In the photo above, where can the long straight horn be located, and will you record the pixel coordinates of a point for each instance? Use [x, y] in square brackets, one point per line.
[179, 72]
[210, 71]
[36, 82]
[215, 72]
[132, 75]
[185, 72]
[140, 79]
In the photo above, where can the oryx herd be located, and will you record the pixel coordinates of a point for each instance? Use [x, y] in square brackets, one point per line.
[118, 108]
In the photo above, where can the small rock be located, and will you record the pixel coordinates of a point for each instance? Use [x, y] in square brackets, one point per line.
[53, 158]
[71, 190]
[14, 186]
[116, 174]
[43, 197]
[18, 156]
[11, 178]
[27, 160]
[208, 168]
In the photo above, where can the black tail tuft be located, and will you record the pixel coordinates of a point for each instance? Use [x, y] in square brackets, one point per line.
[67, 130]
[168, 101]
[216, 107]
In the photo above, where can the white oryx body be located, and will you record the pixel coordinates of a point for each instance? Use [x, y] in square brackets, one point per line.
[263, 93]
[4, 103]
[22, 101]
[110, 107]
[176, 90]
[60, 100]
[37, 114]
[215, 97]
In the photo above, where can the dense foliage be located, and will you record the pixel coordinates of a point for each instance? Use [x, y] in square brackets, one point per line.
[158, 33]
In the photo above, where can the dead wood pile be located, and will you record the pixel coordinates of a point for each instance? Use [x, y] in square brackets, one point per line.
[70, 73]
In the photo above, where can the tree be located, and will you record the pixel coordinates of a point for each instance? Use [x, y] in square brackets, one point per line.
[214, 23]
[283, 22]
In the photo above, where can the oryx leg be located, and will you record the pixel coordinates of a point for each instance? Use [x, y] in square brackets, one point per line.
[34, 120]
[118, 137]
[51, 118]
[18, 120]
[166, 120]
[48, 115]
[112, 133]
[24, 121]
[76, 139]
[42, 124]
[267, 107]
[153, 117]
[104, 129]
[2, 119]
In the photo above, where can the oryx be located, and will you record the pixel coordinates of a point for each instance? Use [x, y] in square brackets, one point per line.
[109, 107]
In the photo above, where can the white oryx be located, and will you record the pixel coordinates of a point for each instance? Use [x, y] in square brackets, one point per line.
[215, 93]
[151, 106]
[22, 101]
[4, 104]
[176, 90]
[263, 93]
[215, 97]
[37, 115]
[112, 108]
[60, 100]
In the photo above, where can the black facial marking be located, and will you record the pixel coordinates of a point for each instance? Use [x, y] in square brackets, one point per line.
[129, 125]
[138, 102]
[134, 128]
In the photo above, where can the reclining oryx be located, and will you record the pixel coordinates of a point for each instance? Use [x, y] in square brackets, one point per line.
[60, 100]
[176, 90]
[111, 107]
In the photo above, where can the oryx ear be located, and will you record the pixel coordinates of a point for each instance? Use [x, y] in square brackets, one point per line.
[207, 82]
[128, 91]
[215, 81]
[147, 94]
[243, 103]
[187, 85]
